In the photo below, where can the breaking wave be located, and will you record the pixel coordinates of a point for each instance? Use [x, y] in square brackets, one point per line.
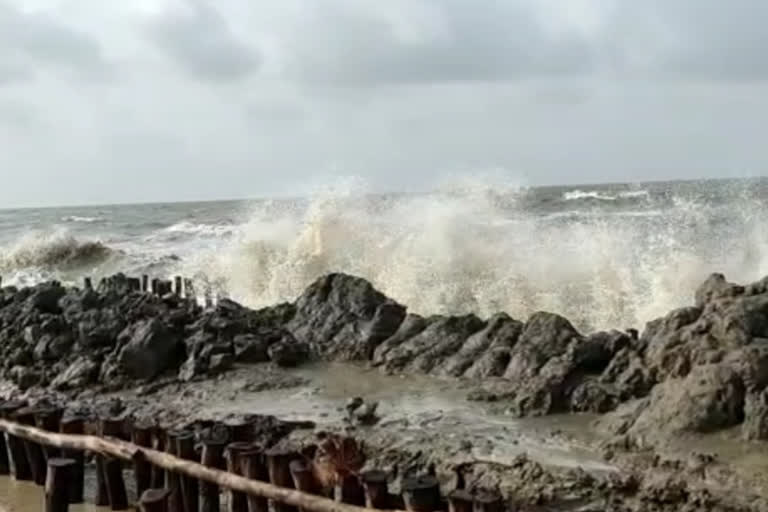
[576, 195]
[56, 250]
[458, 253]
[84, 220]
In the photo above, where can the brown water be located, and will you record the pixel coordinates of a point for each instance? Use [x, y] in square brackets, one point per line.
[28, 497]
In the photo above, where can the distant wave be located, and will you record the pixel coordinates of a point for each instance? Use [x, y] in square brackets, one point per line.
[210, 230]
[86, 220]
[58, 250]
[575, 195]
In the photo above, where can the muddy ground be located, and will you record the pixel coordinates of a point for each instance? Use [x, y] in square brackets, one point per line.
[425, 424]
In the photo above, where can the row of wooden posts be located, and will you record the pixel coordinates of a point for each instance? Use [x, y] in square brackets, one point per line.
[179, 471]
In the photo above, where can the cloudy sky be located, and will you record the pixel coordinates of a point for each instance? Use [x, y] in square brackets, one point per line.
[147, 100]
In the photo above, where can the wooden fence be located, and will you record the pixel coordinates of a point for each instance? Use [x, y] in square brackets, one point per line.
[184, 471]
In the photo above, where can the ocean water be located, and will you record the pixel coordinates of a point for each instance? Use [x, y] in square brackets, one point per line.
[604, 256]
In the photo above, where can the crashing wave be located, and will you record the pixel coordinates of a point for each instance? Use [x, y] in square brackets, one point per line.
[84, 220]
[58, 250]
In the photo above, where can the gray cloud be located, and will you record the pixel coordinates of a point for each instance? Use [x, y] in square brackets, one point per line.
[200, 40]
[344, 45]
[36, 39]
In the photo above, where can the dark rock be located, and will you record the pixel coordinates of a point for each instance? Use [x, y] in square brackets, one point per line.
[250, 348]
[100, 328]
[24, 377]
[151, 350]
[592, 396]
[191, 368]
[288, 354]
[45, 297]
[716, 287]
[82, 372]
[493, 363]
[220, 363]
[410, 327]
[344, 318]
[755, 427]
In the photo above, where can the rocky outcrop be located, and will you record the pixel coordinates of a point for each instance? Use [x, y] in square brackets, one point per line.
[697, 369]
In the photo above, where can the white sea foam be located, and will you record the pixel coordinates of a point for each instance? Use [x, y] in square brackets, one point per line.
[84, 220]
[463, 252]
[575, 195]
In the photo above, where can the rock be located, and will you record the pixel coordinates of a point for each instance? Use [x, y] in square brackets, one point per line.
[344, 318]
[288, 354]
[353, 404]
[220, 363]
[442, 337]
[99, 328]
[251, 348]
[45, 297]
[151, 350]
[366, 414]
[24, 377]
[592, 396]
[711, 397]
[755, 427]
[192, 368]
[716, 287]
[82, 372]
[498, 336]
[410, 327]
[492, 363]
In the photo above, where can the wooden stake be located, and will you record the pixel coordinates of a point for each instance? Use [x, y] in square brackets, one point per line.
[154, 500]
[57, 484]
[255, 466]
[185, 449]
[49, 419]
[349, 490]
[17, 454]
[421, 494]
[172, 479]
[238, 501]
[279, 466]
[141, 435]
[460, 501]
[113, 472]
[75, 425]
[158, 444]
[376, 489]
[108, 427]
[35, 456]
[212, 457]
[488, 501]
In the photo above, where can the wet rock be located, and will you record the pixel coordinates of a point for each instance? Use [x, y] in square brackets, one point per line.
[220, 363]
[592, 396]
[755, 427]
[99, 328]
[410, 327]
[344, 318]
[24, 377]
[288, 354]
[716, 287]
[82, 372]
[442, 337]
[151, 349]
[45, 297]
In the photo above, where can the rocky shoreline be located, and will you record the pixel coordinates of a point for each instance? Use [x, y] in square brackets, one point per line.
[698, 370]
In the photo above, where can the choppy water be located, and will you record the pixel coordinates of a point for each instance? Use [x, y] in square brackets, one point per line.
[605, 256]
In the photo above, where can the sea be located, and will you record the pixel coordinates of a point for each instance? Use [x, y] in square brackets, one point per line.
[604, 256]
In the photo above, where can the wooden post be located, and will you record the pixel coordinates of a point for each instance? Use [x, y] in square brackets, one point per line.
[488, 501]
[19, 464]
[240, 432]
[421, 494]
[57, 484]
[177, 286]
[87, 283]
[141, 435]
[35, 456]
[108, 427]
[212, 457]
[208, 299]
[49, 419]
[113, 473]
[172, 479]
[303, 478]
[185, 448]
[376, 489]
[189, 289]
[255, 467]
[349, 490]
[154, 500]
[238, 501]
[279, 466]
[75, 425]
[145, 283]
[460, 500]
[158, 444]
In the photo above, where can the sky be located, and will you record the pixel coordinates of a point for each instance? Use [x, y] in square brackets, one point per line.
[160, 100]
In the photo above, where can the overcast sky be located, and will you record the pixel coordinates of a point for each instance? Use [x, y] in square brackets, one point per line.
[145, 100]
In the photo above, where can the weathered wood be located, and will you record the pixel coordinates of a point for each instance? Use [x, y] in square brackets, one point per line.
[141, 435]
[279, 466]
[240, 432]
[107, 427]
[177, 286]
[101, 496]
[35, 455]
[75, 425]
[212, 457]
[5, 464]
[189, 289]
[113, 472]
[158, 473]
[154, 500]
[130, 452]
[87, 283]
[421, 494]
[57, 484]
[172, 479]
[376, 489]
[185, 449]
[303, 477]
[488, 501]
[17, 455]
[255, 465]
[238, 501]
[349, 490]
[145, 283]
[49, 418]
[460, 501]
